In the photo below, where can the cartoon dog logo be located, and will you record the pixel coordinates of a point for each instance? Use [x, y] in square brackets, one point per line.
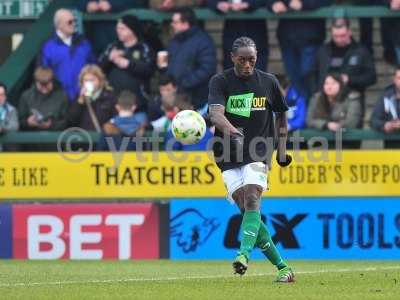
[192, 229]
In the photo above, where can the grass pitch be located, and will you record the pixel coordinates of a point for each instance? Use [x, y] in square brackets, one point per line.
[196, 280]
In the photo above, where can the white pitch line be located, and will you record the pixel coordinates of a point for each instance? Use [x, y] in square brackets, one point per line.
[123, 280]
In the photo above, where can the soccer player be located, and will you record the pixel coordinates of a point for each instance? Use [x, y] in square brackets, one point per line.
[243, 102]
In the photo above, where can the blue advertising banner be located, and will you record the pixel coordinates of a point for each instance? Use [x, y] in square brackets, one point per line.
[5, 231]
[302, 228]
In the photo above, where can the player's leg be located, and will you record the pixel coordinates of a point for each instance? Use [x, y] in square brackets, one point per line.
[248, 202]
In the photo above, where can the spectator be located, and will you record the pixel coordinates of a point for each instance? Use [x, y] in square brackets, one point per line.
[389, 28]
[102, 33]
[336, 107]
[386, 114]
[297, 106]
[128, 122]
[129, 62]
[163, 102]
[299, 39]
[8, 118]
[44, 106]
[191, 57]
[182, 103]
[346, 57]
[66, 53]
[96, 102]
[254, 29]
[8, 113]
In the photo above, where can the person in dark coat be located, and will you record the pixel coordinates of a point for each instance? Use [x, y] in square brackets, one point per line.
[345, 56]
[299, 39]
[96, 102]
[254, 29]
[102, 33]
[129, 62]
[66, 53]
[192, 58]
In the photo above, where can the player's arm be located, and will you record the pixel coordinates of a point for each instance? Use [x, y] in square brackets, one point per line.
[279, 107]
[217, 118]
[281, 128]
[216, 106]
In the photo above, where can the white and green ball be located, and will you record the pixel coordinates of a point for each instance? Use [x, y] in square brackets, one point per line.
[188, 127]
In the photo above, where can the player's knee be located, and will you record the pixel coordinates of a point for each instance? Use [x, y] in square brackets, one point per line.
[252, 201]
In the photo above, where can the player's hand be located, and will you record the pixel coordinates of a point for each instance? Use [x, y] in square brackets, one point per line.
[285, 161]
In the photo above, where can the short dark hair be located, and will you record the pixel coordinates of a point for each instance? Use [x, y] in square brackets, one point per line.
[341, 23]
[187, 15]
[166, 79]
[397, 68]
[127, 99]
[3, 85]
[243, 42]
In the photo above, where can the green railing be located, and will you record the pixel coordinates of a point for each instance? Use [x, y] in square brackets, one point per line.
[51, 137]
[207, 14]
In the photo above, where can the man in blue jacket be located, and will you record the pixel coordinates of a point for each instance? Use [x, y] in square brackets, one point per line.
[191, 57]
[66, 53]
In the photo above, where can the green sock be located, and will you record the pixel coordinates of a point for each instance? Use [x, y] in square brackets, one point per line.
[250, 226]
[267, 246]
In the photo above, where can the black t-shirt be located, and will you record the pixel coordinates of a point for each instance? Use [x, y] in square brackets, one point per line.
[249, 105]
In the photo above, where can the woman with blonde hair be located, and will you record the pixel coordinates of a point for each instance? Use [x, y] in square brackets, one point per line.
[96, 102]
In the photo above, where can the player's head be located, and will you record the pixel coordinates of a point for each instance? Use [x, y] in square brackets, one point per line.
[396, 78]
[244, 56]
[341, 32]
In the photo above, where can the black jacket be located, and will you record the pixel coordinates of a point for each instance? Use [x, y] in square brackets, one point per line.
[136, 77]
[386, 109]
[357, 64]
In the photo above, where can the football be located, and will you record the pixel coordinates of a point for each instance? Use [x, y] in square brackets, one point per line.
[188, 127]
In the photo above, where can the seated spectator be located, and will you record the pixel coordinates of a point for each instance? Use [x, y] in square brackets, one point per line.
[44, 106]
[191, 57]
[345, 56]
[386, 114]
[102, 33]
[335, 107]
[129, 62]
[297, 106]
[8, 113]
[66, 53]
[96, 102]
[392, 29]
[128, 122]
[256, 29]
[163, 102]
[183, 103]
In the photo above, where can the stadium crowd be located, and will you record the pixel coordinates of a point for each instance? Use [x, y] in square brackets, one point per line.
[103, 81]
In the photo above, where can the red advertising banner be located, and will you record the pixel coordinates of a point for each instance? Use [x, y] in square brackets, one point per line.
[86, 231]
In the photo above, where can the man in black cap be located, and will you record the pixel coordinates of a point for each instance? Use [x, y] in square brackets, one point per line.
[129, 62]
